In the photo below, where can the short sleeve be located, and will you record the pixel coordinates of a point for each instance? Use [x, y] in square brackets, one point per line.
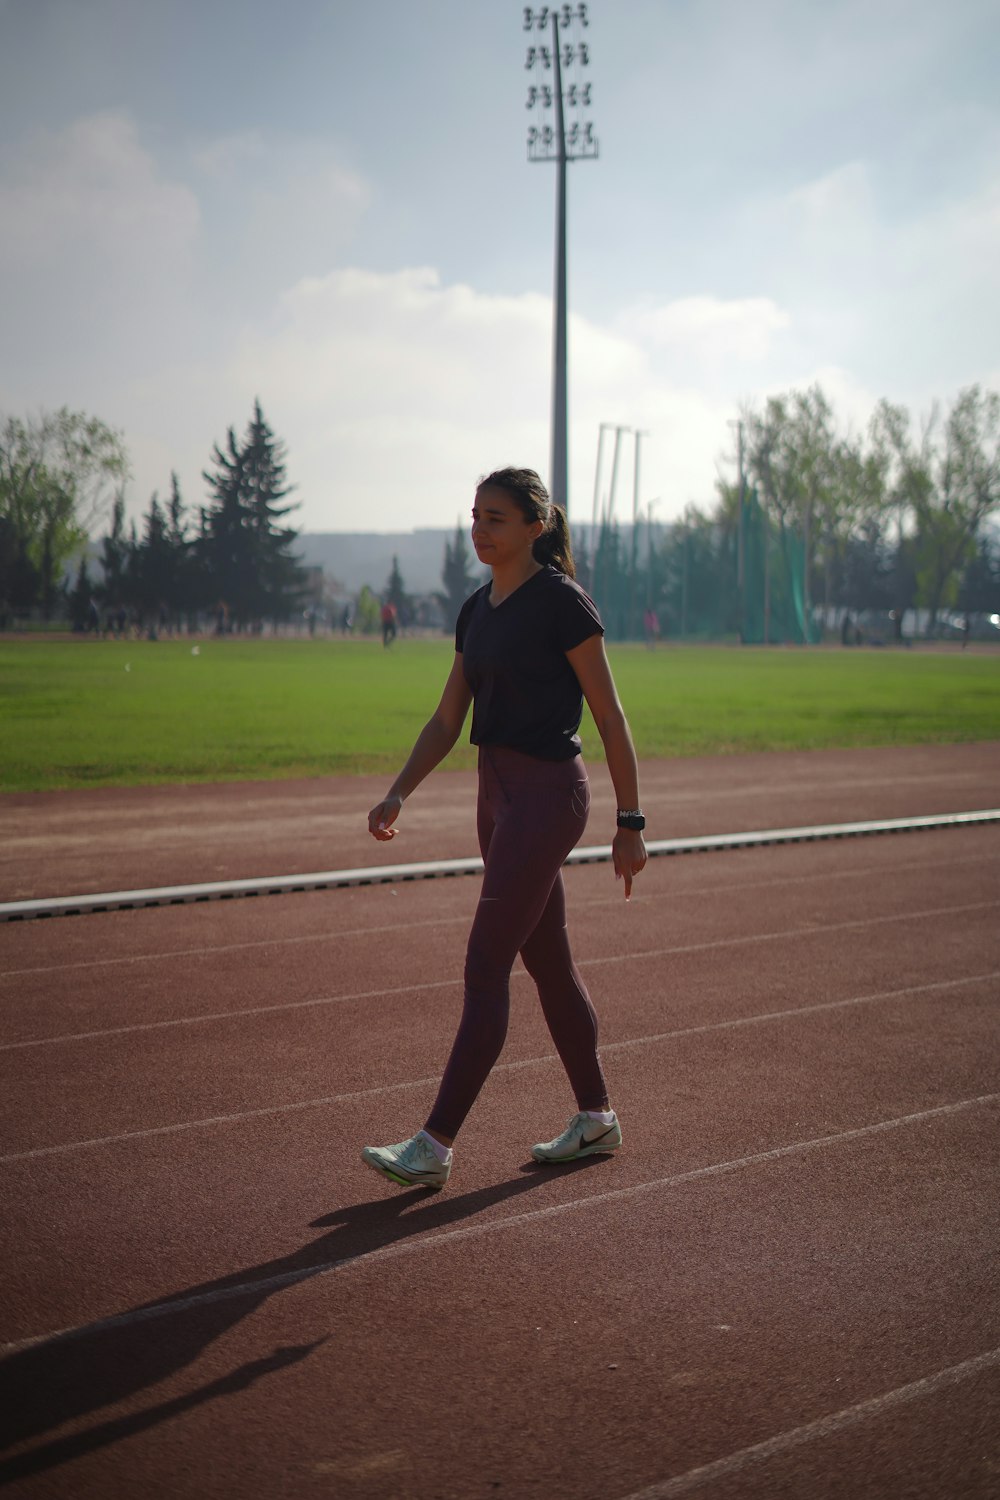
[577, 616]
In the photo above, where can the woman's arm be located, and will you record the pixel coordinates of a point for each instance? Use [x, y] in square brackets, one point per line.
[590, 663]
[432, 745]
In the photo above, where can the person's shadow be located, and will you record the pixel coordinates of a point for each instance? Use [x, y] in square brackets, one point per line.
[63, 1378]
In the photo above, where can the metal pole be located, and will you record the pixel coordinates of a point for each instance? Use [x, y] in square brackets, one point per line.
[806, 544]
[741, 576]
[560, 436]
[634, 560]
[767, 578]
[608, 518]
[559, 146]
[684, 584]
[740, 543]
[605, 427]
[614, 471]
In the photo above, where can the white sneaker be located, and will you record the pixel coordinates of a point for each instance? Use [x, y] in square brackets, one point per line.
[583, 1136]
[412, 1163]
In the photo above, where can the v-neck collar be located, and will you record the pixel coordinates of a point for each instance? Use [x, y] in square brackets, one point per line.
[500, 603]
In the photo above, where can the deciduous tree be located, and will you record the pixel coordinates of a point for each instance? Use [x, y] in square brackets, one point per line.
[59, 474]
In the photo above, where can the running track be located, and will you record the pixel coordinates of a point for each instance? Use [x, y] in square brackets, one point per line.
[786, 1284]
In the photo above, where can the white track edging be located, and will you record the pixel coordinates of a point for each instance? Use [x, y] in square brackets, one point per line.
[280, 885]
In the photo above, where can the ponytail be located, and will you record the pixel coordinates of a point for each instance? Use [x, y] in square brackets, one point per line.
[553, 546]
[524, 486]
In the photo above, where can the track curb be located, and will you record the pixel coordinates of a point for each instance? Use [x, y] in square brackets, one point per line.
[280, 885]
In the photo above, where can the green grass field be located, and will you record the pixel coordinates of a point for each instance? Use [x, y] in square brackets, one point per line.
[116, 713]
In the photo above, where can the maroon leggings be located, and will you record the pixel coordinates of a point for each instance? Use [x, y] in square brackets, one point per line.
[531, 813]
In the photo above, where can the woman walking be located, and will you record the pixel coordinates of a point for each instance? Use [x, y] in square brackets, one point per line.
[529, 648]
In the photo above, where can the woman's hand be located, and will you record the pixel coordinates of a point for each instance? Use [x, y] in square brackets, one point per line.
[628, 852]
[382, 817]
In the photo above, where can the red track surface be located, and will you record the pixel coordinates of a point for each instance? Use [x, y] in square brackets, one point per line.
[786, 1283]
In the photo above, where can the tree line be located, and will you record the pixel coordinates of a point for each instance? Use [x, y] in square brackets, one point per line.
[828, 520]
[879, 522]
[231, 559]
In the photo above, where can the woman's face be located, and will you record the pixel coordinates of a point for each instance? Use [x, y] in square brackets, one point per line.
[500, 531]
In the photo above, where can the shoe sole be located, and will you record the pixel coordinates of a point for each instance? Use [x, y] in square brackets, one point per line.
[400, 1180]
[554, 1161]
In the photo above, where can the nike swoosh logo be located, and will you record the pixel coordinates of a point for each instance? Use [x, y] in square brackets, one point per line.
[594, 1139]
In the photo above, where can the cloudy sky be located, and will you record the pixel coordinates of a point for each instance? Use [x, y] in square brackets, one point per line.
[327, 203]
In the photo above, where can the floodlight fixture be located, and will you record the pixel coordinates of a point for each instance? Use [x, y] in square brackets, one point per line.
[548, 141]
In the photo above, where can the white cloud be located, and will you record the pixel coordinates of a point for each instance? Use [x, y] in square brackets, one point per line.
[96, 251]
[709, 329]
[93, 188]
[165, 301]
[905, 296]
[395, 392]
[279, 207]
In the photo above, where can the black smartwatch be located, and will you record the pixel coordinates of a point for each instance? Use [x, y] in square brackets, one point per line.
[631, 818]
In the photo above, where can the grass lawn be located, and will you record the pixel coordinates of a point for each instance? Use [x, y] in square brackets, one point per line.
[114, 713]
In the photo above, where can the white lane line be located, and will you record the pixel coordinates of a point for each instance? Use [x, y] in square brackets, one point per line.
[816, 930]
[227, 1015]
[766, 1017]
[857, 872]
[266, 1285]
[510, 1067]
[823, 1427]
[812, 930]
[209, 949]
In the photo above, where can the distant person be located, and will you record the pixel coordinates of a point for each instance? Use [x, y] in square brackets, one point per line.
[347, 620]
[529, 648]
[966, 631]
[388, 623]
[651, 627]
[846, 629]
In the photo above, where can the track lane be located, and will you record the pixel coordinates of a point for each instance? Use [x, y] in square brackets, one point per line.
[317, 947]
[753, 1277]
[213, 1068]
[710, 1360]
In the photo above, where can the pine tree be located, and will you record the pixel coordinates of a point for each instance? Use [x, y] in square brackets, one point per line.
[395, 592]
[245, 552]
[114, 557]
[180, 596]
[154, 566]
[80, 598]
[457, 577]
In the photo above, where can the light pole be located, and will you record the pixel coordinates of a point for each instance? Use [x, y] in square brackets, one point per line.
[605, 427]
[560, 145]
[649, 551]
[741, 532]
[633, 623]
[609, 514]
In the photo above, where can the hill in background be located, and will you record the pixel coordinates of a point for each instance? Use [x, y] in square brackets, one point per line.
[354, 558]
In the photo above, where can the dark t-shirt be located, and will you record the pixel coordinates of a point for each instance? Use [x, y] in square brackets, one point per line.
[525, 693]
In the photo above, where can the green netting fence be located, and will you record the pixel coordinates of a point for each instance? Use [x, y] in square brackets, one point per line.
[773, 577]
